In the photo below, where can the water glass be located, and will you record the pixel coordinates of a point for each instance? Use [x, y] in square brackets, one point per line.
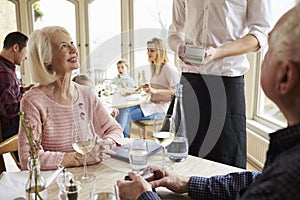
[104, 196]
[103, 189]
[138, 154]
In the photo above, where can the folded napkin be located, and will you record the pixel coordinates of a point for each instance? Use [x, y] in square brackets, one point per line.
[12, 184]
[133, 97]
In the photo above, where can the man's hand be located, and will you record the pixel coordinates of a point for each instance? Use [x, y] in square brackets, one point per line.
[28, 87]
[210, 54]
[180, 50]
[134, 188]
[169, 179]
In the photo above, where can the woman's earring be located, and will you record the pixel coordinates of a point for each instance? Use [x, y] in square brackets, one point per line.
[49, 67]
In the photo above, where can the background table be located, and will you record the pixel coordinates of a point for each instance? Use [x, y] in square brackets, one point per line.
[120, 101]
[124, 101]
[112, 169]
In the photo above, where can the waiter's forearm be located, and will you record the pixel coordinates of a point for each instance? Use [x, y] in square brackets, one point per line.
[247, 44]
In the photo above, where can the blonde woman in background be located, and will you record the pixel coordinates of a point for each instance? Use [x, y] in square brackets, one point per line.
[164, 77]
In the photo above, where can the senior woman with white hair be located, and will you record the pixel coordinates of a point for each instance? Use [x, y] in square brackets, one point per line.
[52, 58]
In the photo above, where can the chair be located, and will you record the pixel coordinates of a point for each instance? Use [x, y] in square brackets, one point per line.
[144, 126]
[9, 145]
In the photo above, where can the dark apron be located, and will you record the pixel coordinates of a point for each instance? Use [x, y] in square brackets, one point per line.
[215, 115]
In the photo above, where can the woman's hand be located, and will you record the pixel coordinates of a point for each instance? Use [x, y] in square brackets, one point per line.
[115, 112]
[102, 149]
[148, 89]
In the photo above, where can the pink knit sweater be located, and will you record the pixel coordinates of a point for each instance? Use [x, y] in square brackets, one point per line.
[57, 138]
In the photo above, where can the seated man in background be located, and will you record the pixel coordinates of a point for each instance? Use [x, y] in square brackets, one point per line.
[85, 80]
[280, 80]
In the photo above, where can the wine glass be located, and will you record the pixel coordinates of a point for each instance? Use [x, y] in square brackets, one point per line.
[164, 133]
[83, 141]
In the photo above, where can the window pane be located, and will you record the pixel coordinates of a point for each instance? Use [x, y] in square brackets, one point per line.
[152, 18]
[104, 38]
[267, 109]
[8, 23]
[46, 13]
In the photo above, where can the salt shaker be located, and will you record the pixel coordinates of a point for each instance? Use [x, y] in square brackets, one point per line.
[62, 179]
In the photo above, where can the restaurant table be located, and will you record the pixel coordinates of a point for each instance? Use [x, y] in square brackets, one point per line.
[118, 100]
[111, 170]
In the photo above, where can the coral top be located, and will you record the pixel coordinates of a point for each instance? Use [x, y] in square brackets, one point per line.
[57, 138]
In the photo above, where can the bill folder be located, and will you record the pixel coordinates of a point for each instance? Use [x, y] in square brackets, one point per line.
[122, 152]
[194, 54]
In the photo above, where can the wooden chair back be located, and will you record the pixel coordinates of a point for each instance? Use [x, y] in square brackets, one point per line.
[9, 145]
[144, 127]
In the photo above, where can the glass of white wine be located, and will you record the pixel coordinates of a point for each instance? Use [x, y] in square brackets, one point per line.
[164, 133]
[83, 141]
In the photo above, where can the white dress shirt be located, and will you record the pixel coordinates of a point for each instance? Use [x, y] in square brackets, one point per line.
[217, 22]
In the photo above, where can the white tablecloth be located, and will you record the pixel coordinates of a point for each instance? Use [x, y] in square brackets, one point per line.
[12, 184]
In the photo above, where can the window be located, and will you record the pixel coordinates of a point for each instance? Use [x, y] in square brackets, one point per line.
[104, 38]
[152, 18]
[45, 13]
[8, 17]
[266, 109]
[103, 27]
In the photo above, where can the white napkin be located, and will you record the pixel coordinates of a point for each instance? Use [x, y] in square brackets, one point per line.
[12, 184]
[133, 97]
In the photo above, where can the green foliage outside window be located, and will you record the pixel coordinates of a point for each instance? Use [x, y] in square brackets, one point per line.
[38, 14]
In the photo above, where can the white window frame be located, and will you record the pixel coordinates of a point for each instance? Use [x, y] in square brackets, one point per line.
[261, 125]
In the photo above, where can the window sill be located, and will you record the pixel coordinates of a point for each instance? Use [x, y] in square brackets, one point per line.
[259, 128]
